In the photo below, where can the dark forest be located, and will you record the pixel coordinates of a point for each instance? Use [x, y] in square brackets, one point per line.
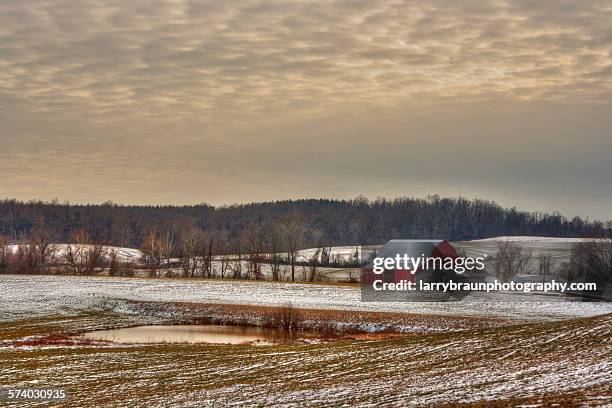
[323, 221]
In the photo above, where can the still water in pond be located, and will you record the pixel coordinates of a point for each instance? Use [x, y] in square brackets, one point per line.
[206, 333]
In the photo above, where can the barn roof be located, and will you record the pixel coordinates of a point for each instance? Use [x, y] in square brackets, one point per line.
[416, 248]
[411, 247]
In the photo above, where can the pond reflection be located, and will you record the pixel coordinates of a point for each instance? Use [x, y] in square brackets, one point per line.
[205, 333]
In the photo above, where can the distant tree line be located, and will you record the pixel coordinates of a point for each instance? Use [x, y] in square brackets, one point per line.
[237, 241]
[333, 222]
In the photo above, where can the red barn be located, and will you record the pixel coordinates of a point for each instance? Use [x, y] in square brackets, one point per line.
[413, 248]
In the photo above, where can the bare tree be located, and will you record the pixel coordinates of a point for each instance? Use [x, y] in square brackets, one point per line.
[191, 241]
[73, 259]
[167, 242]
[114, 266]
[293, 235]
[26, 259]
[74, 256]
[313, 263]
[5, 253]
[96, 256]
[255, 257]
[41, 241]
[118, 267]
[544, 266]
[287, 318]
[238, 251]
[153, 247]
[326, 252]
[274, 255]
[591, 261]
[223, 252]
[82, 257]
[206, 252]
[511, 260]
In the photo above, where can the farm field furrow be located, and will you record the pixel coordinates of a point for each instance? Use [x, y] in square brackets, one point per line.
[527, 362]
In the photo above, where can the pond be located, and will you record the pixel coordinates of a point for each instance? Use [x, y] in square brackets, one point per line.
[203, 333]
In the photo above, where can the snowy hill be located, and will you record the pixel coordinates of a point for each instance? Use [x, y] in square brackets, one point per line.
[124, 254]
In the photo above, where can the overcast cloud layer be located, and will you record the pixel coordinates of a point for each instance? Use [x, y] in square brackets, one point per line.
[178, 101]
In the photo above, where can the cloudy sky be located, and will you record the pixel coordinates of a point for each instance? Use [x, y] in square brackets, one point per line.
[181, 101]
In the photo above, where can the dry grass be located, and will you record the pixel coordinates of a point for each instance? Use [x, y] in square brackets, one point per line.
[323, 320]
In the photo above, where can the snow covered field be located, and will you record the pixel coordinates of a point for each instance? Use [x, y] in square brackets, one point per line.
[338, 254]
[566, 363]
[40, 295]
[132, 255]
[559, 249]
[545, 351]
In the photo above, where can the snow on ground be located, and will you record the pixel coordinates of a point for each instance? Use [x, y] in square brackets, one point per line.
[26, 296]
[544, 364]
[123, 254]
[538, 245]
[23, 295]
[302, 272]
[538, 239]
[486, 246]
[525, 239]
[558, 250]
[565, 363]
[338, 253]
